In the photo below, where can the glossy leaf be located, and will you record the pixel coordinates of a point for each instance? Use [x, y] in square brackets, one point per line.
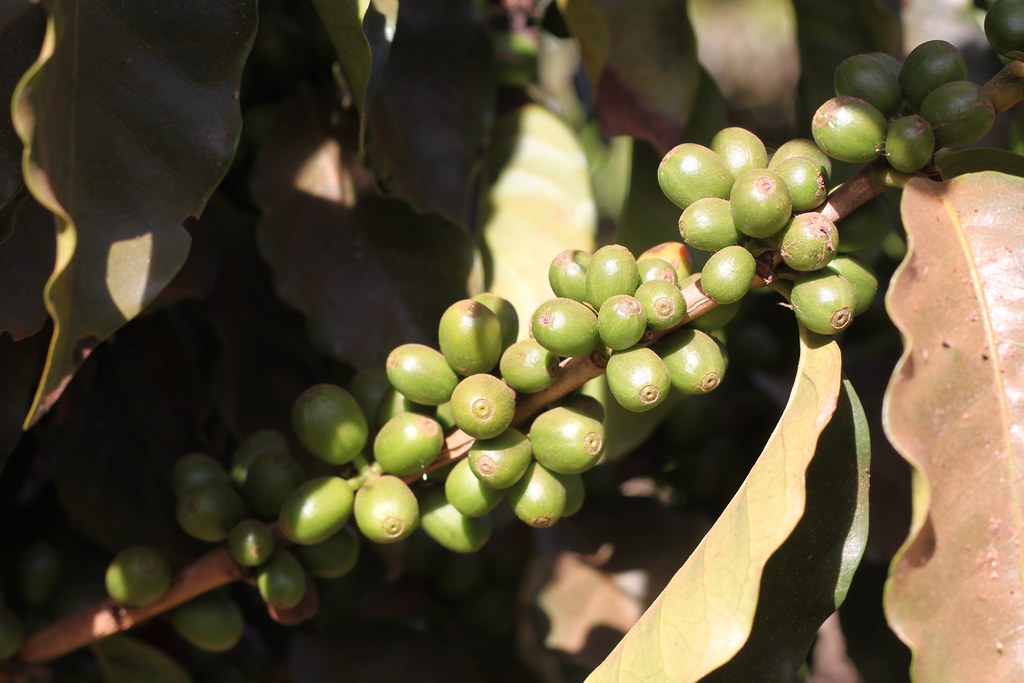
[975, 159]
[26, 261]
[128, 660]
[642, 64]
[539, 203]
[368, 272]
[172, 115]
[954, 410]
[706, 614]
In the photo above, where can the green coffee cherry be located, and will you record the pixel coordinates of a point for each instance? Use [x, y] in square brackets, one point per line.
[760, 203]
[209, 512]
[539, 497]
[12, 633]
[421, 374]
[656, 269]
[528, 367]
[612, 271]
[468, 494]
[470, 337]
[386, 510]
[728, 274]
[281, 580]
[394, 404]
[866, 227]
[673, 253]
[663, 305]
[211, 622]
[707, 225]
[823, 301]
[37, 573]
[331, 558]
[717, 318]
[368, 387]
[621, 322]
[861, 277]
[316, 510]
[501, 461]
[271, 478]
[138, 576]
[585, 405]
[251, 447]
[251, 543]
[407, 444]
[959, 112]
[909, 143]
[929, 65]
[483, 406]
[892, 64]
[690, 172]
[866, 77]
[638, 380]
[330, 423]
[443, 415]
[740, 149]
[197, 469]
[567, 275]
[696, 362]
[849, 129]
[806, 181]
[567, 441]
[453, 530]
[575, 492]
[809, 241]
[1004, 28]
[508, 318]
[801, 147]
[565, 327]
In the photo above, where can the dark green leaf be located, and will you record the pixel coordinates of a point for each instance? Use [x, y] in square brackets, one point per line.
[127, 660]
[160, 88]
[979, 159]
[26, 261]
[649, 217]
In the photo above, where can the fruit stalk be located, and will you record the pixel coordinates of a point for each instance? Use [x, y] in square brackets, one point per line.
[1006, 88]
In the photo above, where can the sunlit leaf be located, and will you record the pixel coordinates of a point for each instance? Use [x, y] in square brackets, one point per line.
[130, 117]
[976, 159]
[128, 660]
[954, 410]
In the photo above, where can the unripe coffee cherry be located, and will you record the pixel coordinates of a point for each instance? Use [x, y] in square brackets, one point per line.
[251, 543]
[960, 113]
[663, 304]
[394, 404]
[528, 367]
[861, 277]
[909, 143]
[849, 129]
[271, 478]
[368, 387]
[281, 580]
[760, 203]
[210, 512]
[801, 147]
[386, 510]
[809, 241]
[656, 269]
[331, 558]
[673, 253]
[612, 271]
[470, 337]
[421, 374]
[197, 469]
[872, 80]
[928, 66]
[211, 622]
[452, 529]
[696, 362]
[565, 327]
[728, 274]
[866, 227]
[567, 275]
[638, 379]
[316, 510]
[37, 573]
[621, 322]
[508, 318]
[251, 447]
[468, 494]
[823, 301]
[138, 576]
[330, 423]
[501, 461]
[566, 440]
[1004, 28]
[806, 181]
[740, 149]
[584, 405]
[12, 633]
[407, 444]
[483, 406]
[690, 172]
[539, 498]
[715, 319]
[707, 225]
[575, 492]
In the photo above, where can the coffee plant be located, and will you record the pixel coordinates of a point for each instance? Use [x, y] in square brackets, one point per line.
[372, 341]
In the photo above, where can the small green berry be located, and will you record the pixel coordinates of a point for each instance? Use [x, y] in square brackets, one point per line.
[483, 406]
[585, 405]
[567, 441]
[861, 277]
[470, 337]
[565, 327]
[806, 181]
[656, 269]
[740, 149]
[271, 478]
[717, 318]
[407, 444]
[330, 423]
[673, 253]
[801, 147]
[909, 143]
[928, 66]
[872, 80]
[251, 543]
[539, 497]
[621, 322]
[394, 404]
[501, 461]
[468, 494]
[809, 241]
[251, 447]
[728, 274]
[197, 469]
[567, 275]
[959, 112]
[211, 622]
[421, 374]
[528, 367]
[707, 224]
[316, 510]
[1004, 28]
[281, 581]
[696, 362]
[386, 509]
[849, 129]
[690, 172]
[760, 203]
[823, 301]
[575, 492]
[453, 530]
[663, 305]
[507, 316]
[209, 512]
[368, 387]
[331, 558]
[638, 379]
[138, 576]
[612, 271]
[865, 227]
